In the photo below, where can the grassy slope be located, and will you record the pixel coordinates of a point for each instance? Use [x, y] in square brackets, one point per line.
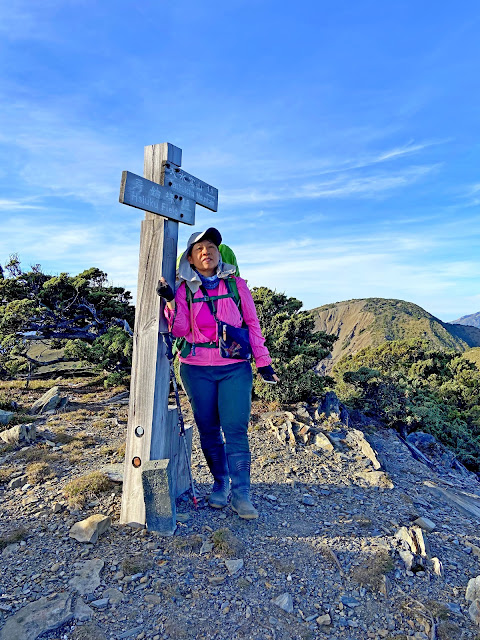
[42, 351]
[372, 321]
[473, 355]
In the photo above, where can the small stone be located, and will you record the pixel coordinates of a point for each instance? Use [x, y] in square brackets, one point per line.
[16, 483]
[248, 612]
[308, 500]
[376, 479]
[113, 595]
[322, 442]
[87, 576]
[324, 620]
[454, 608]
[473, 589]
[437, 567]
[215, 580]
[10, 550]
[90, 529]
[114, 472]
[152, 598]
[82, 611]
[206, 547]
[425, 523]
[5, 416]
[183, 517]
[234, 566]
[285, 602]
[56, 507]
[350, 602]
[102, 603]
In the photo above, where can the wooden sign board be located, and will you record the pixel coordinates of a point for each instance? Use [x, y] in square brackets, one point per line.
[150, 196]
[182, 182]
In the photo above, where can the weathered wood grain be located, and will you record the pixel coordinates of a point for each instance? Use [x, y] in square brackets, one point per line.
[150, 379]
[183, 183]
[168, 202]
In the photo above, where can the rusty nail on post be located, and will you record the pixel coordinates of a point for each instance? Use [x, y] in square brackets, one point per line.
[137, 462]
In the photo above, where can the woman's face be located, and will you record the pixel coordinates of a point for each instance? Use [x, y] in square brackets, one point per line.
[204, 256]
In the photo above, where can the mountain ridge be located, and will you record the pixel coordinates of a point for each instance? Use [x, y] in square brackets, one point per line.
[364, 322]
[472, 320]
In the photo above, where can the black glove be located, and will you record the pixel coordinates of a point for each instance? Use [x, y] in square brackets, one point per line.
[164, 290]
[267, 374]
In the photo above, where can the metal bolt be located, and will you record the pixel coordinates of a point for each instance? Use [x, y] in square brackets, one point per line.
[170, 184]
[176, 197]
[181, 198]
[139, 431]
[137, 462]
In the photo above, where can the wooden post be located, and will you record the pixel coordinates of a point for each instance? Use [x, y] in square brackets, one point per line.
[168, 196]
[150, 436]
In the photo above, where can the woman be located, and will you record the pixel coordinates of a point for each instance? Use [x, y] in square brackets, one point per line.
[219, 388]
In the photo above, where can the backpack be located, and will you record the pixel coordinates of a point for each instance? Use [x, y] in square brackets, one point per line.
[181, 345]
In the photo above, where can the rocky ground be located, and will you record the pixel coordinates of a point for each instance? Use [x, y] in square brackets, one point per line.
[337, 553]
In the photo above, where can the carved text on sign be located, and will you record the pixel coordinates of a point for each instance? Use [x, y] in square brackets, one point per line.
[147, 195]
[182, 182]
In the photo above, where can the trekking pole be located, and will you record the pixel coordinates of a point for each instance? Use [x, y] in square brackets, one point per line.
[167, 338]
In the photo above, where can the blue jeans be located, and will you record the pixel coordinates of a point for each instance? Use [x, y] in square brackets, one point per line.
[221, 399]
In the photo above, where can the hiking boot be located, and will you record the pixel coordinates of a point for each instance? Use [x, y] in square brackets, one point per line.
[239, 466]
[217, 463]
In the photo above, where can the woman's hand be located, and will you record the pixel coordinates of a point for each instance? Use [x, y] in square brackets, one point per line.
[268, 375]
[165, 291]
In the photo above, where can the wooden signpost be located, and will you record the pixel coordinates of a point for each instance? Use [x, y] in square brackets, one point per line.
[168, 196]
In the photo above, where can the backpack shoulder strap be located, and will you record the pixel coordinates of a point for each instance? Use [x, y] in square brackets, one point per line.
[232, 288]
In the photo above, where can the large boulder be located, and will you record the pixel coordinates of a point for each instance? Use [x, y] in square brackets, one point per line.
[48, 402]
[19, 433]
[5, 416]
[329, 405]
[38, 617]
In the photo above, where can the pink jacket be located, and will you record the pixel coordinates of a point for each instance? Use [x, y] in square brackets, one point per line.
[205, 328]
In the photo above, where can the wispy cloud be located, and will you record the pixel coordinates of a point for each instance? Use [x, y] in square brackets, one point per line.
[59, 157]
[343, 186]
[17, 205]
[408, 149]
[347, 269]
[73, 246]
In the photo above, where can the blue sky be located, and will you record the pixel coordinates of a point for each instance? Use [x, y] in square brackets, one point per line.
[343, 138]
